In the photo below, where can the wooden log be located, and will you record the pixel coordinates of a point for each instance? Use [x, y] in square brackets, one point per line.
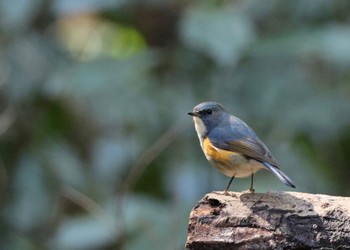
[273, 220]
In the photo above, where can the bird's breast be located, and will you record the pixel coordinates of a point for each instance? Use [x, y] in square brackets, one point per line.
[221, 156]
[228, 162]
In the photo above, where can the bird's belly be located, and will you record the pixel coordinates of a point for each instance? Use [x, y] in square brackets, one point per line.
[228, 162]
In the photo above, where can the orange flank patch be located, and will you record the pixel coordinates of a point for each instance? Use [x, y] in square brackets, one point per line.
[223, 157]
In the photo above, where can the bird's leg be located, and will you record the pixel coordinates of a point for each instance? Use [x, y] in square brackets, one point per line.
[228, 186]
[251, 189]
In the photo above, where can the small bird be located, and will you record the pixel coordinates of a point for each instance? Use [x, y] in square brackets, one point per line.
[231, 145]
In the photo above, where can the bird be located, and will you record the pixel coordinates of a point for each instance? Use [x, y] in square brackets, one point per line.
[231, 146]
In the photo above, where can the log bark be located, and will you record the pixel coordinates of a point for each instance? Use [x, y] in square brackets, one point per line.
[273, 220]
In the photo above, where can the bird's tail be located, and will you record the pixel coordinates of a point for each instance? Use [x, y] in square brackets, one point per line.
[280, 175]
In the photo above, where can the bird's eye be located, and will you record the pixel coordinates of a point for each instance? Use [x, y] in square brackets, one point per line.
[209, 111]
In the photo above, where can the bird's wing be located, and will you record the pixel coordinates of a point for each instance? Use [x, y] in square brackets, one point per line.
[239, 137]
[252, 148]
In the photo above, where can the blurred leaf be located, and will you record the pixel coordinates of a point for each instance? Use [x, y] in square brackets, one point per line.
[31, 60]
[83, 233]
[330, 43]
[31, 200]
[87, 37]
[110, 156]
[14, 241]
[302, 169]
[220, 34]
[64, 164]
[306, 10]
[147, 218]
[104, 87]
[16, 16]
[66, 7]
[182, 180]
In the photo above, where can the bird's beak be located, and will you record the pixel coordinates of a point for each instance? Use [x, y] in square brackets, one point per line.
[193, 113]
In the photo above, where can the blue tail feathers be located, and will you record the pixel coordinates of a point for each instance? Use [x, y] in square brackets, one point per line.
[280, 175]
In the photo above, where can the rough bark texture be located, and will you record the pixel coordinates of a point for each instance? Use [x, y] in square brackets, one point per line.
[274, 220]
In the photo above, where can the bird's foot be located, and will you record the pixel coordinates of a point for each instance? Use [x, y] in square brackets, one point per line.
[226, 193]
[250, 190]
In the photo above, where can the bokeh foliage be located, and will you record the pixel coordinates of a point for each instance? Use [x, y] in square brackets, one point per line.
[96, 149]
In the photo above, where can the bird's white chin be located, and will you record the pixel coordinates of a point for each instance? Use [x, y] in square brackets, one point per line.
[200, 128]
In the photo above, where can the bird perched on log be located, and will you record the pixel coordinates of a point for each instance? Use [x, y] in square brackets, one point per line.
[231, 145]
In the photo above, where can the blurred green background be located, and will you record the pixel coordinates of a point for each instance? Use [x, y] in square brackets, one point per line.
[96, 148]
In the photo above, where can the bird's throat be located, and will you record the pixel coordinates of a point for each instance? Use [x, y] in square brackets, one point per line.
[200, 129]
